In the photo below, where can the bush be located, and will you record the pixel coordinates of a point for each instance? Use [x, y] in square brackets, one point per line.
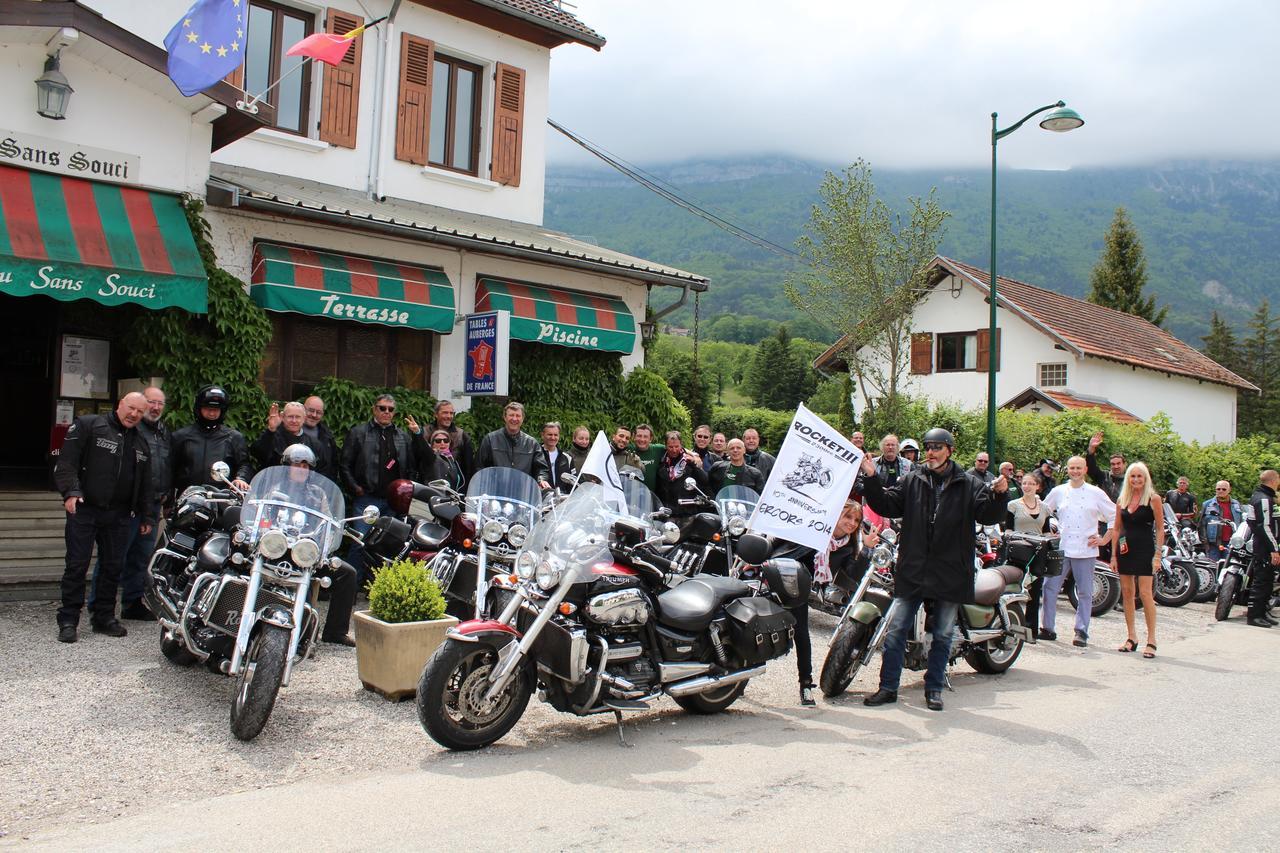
[348, 403]
[772, 425]
[405, 591]
[646, 398]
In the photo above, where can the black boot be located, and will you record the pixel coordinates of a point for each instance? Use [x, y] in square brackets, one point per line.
[881, 697]
[933, 699]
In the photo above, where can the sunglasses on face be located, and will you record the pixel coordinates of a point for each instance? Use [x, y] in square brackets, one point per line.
[441, 440]
[933, 445]
[386, 408]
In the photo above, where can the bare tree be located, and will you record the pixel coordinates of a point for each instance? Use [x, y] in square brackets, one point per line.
[865, 270]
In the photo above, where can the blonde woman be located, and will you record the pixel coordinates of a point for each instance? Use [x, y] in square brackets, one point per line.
[1136, 556]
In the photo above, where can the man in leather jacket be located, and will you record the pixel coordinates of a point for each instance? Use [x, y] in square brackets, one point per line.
[677, 465]
[939, 504]
[735, 471]
[757, 457]
[104, 475]
[284, 429]
[314, 426]
[375, 454]
[1217, 511]
[1266, 548]
[509, 447]
[459, 442]
[1111, 481]
[194, 448]
[1182, 501]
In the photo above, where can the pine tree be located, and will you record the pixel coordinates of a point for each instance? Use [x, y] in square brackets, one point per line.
[1221, 344]
[1260, 413]
[1121, 273]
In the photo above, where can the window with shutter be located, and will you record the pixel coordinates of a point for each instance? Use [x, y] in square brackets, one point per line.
[983, 337]
[922, 353]
[508, 124]
[453, 133]
[340, 95]
[269, 30]
[417, 56]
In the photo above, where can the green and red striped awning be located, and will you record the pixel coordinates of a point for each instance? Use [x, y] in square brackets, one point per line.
[565, 317]
[74, 239]
[345, 287]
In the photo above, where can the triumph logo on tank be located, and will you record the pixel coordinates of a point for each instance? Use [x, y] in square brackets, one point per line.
[68, 158]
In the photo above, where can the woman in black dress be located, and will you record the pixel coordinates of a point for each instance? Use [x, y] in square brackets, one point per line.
[1140, 523]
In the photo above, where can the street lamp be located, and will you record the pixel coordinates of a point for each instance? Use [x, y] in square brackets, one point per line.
[1060, 120]
[52, 90]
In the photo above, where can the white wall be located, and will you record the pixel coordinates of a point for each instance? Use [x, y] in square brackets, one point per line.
[108, 112]
[288, 154]
[1200, 411]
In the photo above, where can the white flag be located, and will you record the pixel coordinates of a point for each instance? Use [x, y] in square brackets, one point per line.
[809, 483]
[599, 464]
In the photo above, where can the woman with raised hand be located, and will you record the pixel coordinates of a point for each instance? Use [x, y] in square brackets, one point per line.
[1136, 554]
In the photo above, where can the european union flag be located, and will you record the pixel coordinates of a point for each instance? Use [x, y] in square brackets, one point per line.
[207, 44]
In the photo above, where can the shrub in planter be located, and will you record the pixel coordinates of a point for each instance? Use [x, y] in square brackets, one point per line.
[403, 626]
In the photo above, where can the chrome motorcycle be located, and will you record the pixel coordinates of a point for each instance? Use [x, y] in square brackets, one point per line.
[245, 608]
[593, 626]
[1177, 581]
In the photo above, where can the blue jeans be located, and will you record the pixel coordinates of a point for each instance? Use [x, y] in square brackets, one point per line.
[355, 556]
[1081, 568]
[133, 577]
[895, 644]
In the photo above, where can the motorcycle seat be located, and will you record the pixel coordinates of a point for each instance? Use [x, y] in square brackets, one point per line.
[989, 583]
[691, 605]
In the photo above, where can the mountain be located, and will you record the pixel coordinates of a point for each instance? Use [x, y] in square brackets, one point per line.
[1210, 230]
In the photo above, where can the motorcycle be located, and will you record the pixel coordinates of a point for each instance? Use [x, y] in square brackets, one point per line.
[1183, 543]
[246, 610]
[989, 634]
[1234, 575]
[1106, 590]
[1176, 582]
[591, 623]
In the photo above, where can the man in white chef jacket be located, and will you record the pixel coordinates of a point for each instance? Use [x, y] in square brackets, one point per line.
[1079, 507]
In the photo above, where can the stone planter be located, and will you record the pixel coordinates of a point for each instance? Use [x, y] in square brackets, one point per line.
[390, 656]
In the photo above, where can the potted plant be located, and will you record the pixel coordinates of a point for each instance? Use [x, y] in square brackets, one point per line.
[401, 629]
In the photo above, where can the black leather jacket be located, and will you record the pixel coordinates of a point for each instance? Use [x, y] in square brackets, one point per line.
[157, 437]
[273, 442]
[750, 477]
[360, 457]
[1265, 524]
[327, 454]
[193, 450]
[90, 463]
[521, 452]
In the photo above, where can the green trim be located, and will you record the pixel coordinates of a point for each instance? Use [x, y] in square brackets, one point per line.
[68, 282]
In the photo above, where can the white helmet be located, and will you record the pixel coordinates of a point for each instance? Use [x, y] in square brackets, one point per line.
[909, 444]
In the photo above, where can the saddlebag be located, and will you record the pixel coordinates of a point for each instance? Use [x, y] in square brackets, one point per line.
[759, 629]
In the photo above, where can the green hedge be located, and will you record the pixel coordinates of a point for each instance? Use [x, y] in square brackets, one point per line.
[734, 420]
[348, 403]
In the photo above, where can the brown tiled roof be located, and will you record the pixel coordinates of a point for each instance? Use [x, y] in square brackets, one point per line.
[1092, 330]
[1069, 401]
[550, 15]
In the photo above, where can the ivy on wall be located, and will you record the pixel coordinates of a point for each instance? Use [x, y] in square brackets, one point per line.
[348, 403]
[224, 346]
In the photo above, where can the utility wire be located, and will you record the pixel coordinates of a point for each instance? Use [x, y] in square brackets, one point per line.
[670, 193]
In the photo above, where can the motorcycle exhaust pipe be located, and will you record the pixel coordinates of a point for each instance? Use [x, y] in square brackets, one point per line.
[709, 682]
[161, 606]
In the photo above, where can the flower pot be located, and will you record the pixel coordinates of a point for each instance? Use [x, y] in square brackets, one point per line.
[390, 656]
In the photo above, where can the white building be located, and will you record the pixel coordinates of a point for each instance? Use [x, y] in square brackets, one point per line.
[1054, 352]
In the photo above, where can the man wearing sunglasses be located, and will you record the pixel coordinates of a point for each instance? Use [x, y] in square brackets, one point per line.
[375, 454]
[938, 503]
[1219, 518]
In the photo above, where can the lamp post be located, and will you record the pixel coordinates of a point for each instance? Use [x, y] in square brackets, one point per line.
[1060, 120]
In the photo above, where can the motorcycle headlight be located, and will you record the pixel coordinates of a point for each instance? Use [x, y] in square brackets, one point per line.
[526, 565]
[517, 533]
[737, 526]
[493, 530]
[273, 544]
[306, 553]
[549, 572]
[882, 556]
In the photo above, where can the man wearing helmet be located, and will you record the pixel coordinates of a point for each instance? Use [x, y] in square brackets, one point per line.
[193, 449]
[910, 451]
[939, 504]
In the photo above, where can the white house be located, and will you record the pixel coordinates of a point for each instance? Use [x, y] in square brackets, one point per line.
[1054, 352]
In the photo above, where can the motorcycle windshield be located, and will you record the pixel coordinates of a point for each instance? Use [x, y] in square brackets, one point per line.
[298, 502]
[736, 502]
[504, 493]
[641, 501]
[572, 540]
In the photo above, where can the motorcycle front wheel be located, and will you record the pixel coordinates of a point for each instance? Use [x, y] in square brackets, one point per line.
[1226, 596]
[996, 656]
[450, 700]
[1175, 586]
[261, 672]
[840, 667]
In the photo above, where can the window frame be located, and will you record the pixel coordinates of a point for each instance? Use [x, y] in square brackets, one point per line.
[284, 329]
[451, 107]
[279, 11]
[938, 347]
[1040, 374]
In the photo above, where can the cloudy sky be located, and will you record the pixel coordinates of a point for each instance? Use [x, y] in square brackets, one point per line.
[914, 84]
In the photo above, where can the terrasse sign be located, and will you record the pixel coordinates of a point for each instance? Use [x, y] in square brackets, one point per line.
[68, 158]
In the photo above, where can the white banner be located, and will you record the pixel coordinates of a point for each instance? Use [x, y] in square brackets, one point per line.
[809, 484]
[599, 464]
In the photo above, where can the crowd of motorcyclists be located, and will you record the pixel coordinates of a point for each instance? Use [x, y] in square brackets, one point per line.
[119, 473]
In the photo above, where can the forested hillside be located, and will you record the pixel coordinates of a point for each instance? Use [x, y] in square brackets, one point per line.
[1211, 230]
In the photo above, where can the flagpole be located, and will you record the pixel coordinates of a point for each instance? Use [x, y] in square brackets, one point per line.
[251, 106]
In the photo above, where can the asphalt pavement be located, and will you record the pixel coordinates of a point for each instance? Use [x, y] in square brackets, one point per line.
[109, 747]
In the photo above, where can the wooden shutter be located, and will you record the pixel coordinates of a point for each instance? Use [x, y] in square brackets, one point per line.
[922, 353]
[340, 97]
[236, 78]
[413, 113]
[508, 125]
[984, 349]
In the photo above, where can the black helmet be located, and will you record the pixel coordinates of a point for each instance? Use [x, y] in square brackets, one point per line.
[212, 396]
[296, 454]
[940, 435]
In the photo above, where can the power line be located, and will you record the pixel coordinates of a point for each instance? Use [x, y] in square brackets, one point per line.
[668, 192]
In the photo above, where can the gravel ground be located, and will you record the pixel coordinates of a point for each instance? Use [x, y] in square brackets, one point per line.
[108, 728]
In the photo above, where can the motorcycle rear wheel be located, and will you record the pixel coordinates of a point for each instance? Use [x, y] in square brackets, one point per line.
[1175, 587]
[1208, 590]
[1106, 594]
[1226, 597]
[712, 701]
[172, 648]
[261, 672]
[996, 656]
[841, 665]
[450, 691]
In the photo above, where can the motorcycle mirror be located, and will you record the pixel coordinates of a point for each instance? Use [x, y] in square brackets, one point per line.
[690, 483]
[370, 515]
[670, 533]
[221, 472]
